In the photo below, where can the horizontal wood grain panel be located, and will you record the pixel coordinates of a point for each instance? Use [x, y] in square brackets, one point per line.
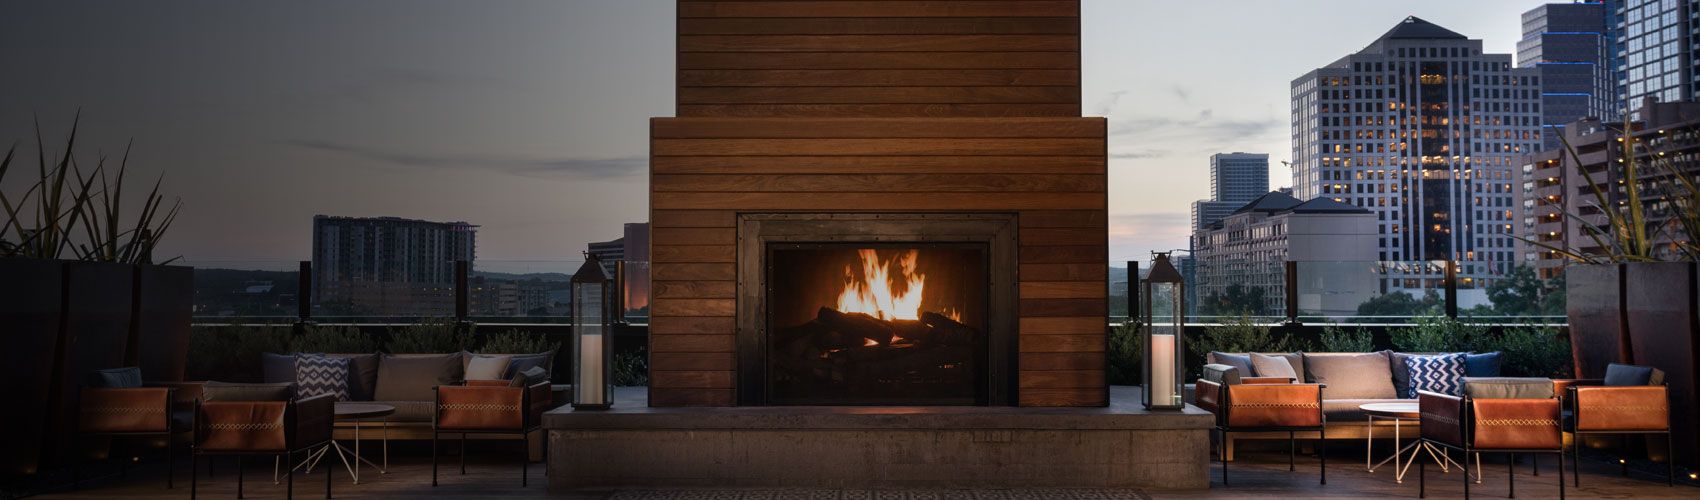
[671, 397]
[1063, 289]
[885, 78]
[874, 202]
[693, 218]
[693, 236]
[1064, 236]
[1061, 379]
[709, 361]
[1062, 343]
[848, 110]
[878, 128]
[1065, 218]
[871, 147]
[983, 8]
[1004, 183]
[1081, 254]
[1039, 361]
[1036, 308]
[693, 253]
[878, 43]
[692, 343]
[693, 307]
[694, 289]
[880, 60]
[679, 272]
[881, 26]
[686, 325]
[662, 165]
[1083, 325]
[693, 379]
[1065, 272]
[1063, 397]
[878, 95]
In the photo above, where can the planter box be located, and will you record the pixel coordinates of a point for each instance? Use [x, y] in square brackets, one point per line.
[30, 304]
[165, 297]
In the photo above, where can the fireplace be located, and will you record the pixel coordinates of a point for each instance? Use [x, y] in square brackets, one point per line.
[876, 309]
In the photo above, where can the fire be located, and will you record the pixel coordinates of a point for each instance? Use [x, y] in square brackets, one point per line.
[874, 295]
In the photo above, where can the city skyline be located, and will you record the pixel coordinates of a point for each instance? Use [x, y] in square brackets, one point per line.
[536, 133]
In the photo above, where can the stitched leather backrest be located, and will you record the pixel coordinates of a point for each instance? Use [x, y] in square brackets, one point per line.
[142, 409]
[1515, 424]
[1273, 405]
[480, 408]
[1441, 417]
[1627, 408]
[241, 426]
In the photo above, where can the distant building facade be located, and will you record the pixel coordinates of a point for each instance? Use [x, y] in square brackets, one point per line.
[1422, 129]
[1235, 179]
[388, 266]
[1250, 248]
[1653, 44]
[1568, 44]
[1556, 183]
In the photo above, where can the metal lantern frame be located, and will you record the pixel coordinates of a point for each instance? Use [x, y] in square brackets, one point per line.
[1164, 284]
[593, 321]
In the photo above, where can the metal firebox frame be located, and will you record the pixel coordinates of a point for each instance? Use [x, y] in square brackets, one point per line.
[995, 230]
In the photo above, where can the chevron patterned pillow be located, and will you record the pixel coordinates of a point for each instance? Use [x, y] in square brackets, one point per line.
[1443, 373]
[315, 375]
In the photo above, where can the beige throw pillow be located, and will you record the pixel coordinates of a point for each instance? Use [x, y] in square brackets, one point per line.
[1272, 366]
[485, 367]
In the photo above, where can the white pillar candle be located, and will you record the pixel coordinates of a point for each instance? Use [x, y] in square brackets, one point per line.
[1162, 370]
[589, 387]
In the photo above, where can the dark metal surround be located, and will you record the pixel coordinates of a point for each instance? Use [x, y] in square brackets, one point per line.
[997, 231]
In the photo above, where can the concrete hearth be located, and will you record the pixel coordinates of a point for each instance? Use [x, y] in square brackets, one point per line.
[636, 446]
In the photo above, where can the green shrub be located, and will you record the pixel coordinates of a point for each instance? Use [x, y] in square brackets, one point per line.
[1235, 335]
[231, 353]
[333, 339]
[1336, 338]
[1440, 334]
[428, 337]
[1531, 351]
[514, 341]
[631, 369]
[1125, 355]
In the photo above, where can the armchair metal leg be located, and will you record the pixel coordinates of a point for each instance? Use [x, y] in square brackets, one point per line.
[238, 477]
[1575, 459]
[1224, 457]
[524, 460]
[1561, 472]
[1466, 471]
[1623, 448]
[194, 471]
[1535, 463]
[328, 471]
[433, 457]
[1670, 460]
[1291, 451]
[1422, 479]
[1322, 452]
[170, 461]
[291, 475]
[1511, 475]
[462, 453]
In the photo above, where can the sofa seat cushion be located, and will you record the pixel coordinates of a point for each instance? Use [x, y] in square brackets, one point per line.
[1365, 375]
[408, 411]
[1346, 410]
[411, 377]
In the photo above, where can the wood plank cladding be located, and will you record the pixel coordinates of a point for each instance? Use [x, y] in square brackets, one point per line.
[804, 58]
[897, 106]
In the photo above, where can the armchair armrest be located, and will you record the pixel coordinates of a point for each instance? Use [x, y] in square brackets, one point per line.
[1441, 417]
[1625, 408]
[1208, 395]
[488, 383]
[1272, 405]
[183, 394]
[136, 409]
[480, 407]
[1515, 424]
[1267, 380]
[539, 397]
[1561, 386]
[313, 419]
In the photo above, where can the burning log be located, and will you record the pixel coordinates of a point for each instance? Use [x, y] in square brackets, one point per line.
[854, 329]
[947, 331]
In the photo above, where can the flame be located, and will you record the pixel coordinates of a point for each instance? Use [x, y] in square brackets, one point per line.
[873, 294]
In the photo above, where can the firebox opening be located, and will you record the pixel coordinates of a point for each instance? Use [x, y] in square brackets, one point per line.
[877, 324]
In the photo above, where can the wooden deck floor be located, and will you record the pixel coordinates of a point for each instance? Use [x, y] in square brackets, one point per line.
[1258, 474]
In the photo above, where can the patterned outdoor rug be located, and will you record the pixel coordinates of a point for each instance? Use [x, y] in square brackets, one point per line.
[1021, 494]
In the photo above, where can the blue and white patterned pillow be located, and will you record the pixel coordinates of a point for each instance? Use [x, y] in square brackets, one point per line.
[1443, 373]
[315, 375]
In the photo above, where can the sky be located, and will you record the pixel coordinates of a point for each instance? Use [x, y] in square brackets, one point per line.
[530, 118]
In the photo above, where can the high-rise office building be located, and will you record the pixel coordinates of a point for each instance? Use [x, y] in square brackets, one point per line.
[1654, 58]
[388, 266]
[1235, 179]
[1422, 129]
[1567, 43]
[1249, 249]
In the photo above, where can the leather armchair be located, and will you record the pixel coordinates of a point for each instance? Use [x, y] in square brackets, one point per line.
[1475, 425]
[1621, 410]
[267, 428]
[488, 407]
[1257, 404]
[157, 410]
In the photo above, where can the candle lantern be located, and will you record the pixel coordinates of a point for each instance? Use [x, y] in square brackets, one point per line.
[1163, 307]
[593, 295]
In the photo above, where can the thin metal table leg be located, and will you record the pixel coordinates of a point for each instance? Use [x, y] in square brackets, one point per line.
[1369, 444]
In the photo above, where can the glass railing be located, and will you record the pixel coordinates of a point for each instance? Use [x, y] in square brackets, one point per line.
[247, 291]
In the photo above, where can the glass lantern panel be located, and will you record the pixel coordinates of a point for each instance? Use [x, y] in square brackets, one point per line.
[588, 384]
[1165, 308]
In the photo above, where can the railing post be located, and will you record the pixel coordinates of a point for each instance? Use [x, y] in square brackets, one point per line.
[1451, 283]
[462, 296]
[1133, 312]
[304, 298]
[1291, 286]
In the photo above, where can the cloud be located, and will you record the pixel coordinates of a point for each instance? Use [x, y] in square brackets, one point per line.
[1135, 236]
[1108, 105]
[1140, 154]
[561, 168]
